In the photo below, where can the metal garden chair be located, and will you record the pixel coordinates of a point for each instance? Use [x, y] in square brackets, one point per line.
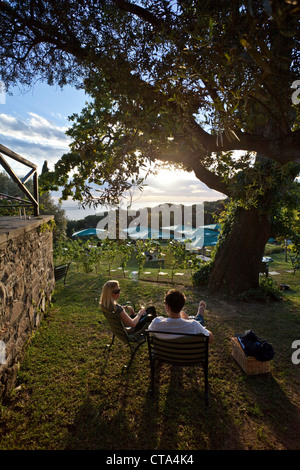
[186, 350]
[60, 272]
[119, 330]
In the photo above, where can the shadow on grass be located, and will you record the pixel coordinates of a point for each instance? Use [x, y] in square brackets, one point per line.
[118, 412]
[274, 409]
[185, 423]
[174, 418]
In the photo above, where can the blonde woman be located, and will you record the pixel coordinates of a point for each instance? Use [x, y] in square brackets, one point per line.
[109, 300]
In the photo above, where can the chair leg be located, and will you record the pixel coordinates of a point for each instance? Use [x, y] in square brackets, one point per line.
[108, 346]
[126, 367]
[132, 351]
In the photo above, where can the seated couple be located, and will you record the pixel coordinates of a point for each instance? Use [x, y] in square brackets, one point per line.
[177, 320]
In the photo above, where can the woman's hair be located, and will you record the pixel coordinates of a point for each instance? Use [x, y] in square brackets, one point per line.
[106, 295]
[175, 299]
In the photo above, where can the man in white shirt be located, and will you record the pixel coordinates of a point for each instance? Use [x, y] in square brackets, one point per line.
[177, 320]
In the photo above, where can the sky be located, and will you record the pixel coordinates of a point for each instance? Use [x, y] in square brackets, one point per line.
[33, 124]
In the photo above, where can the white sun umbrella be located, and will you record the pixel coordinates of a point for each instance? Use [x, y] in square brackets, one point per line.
[139, 235]
[88, 232]
[131, 229]
[179, 230]
[145, 234]
[188, 233]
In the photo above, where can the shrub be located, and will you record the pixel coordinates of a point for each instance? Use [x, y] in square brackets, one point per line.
[201, 276]
[272, 249]
[267, 290]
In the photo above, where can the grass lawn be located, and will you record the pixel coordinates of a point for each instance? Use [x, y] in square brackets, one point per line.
[72, 395]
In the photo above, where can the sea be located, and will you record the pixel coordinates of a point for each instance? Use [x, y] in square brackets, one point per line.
[77, 214]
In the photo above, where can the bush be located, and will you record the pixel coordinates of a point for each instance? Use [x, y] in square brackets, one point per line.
[267, 290]
[201, 276]
[272, 249]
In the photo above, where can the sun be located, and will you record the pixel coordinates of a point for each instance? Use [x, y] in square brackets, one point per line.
[167, 177]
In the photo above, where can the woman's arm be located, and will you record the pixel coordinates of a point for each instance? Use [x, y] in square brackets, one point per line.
[128, 321]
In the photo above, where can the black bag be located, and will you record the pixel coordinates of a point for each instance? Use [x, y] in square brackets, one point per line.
[255, 346]
[151, 311]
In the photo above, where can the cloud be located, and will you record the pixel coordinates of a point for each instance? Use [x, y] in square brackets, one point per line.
[35, 129]
[176, 187]
[152, 190]
[35, 138]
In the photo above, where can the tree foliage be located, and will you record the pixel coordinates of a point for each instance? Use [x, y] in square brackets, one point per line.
[184, 81]
[206, 85]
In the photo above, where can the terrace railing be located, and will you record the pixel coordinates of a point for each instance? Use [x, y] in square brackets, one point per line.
[33, 199]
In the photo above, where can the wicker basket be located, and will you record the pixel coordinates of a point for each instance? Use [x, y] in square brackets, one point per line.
[249, 364]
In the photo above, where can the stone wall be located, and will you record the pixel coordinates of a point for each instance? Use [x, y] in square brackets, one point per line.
[26, 284]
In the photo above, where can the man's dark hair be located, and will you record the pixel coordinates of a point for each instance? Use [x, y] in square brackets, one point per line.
[175, 299]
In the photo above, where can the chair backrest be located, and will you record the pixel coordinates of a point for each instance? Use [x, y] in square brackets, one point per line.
[60, 272]
[115, 324]
[185, 350]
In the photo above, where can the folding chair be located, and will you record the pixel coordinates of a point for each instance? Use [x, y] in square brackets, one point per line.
[119, 330]
[186, 350]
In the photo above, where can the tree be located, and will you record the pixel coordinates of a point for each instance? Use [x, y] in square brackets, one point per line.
[185, 82]
[47, 206]
[287, 219]
[45, 168]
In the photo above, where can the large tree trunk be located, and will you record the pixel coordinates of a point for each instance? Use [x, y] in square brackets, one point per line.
[238, 260]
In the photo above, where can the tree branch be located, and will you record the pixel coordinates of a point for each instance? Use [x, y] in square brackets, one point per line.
[285, 149]
[212, 180]
[140, 12]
